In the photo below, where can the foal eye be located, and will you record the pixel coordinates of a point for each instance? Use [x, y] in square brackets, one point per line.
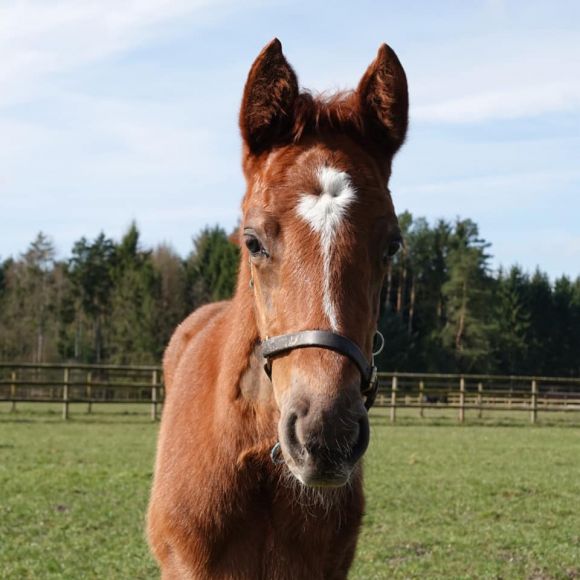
[392, 249]
[253, 244]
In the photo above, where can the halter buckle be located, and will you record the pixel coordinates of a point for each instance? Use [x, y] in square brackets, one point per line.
[371, 392]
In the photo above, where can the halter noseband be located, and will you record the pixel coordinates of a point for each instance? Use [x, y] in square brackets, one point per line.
[272, 347]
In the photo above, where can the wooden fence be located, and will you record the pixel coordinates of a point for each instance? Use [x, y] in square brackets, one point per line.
[78, 383]
[478, 393]
[99, 384]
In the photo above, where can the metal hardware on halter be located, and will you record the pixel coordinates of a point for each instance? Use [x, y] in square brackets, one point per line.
[380, 349]
[277, 345]
[276, 454]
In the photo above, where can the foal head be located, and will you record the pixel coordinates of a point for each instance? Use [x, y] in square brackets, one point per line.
[319, 228]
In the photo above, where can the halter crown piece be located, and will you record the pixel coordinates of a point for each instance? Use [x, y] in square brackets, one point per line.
[272, 347]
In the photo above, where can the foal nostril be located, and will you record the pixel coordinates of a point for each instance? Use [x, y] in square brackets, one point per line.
[323, 439]
[290, 434]
[354, 435]
[362, 440]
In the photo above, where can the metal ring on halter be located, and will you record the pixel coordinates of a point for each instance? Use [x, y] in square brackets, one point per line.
[380, 349]
[276, 454]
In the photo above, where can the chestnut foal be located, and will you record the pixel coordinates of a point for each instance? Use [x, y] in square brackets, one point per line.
[258, 472]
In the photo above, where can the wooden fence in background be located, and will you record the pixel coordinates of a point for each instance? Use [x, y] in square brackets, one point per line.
[79, 383]
[478, 393]
[101, 384]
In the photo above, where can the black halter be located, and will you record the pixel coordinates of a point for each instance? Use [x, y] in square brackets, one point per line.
[272, 347]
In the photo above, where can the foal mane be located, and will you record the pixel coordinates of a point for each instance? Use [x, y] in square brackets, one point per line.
[339, 113]
[326, 113]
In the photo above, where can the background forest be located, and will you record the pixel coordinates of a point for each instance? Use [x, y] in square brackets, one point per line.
[443, 308]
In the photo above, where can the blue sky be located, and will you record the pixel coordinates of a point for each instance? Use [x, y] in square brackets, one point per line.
[113, 111]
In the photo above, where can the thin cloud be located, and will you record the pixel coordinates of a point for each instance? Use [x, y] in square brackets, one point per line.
[497, 75]
[513, 103]
[39, 39]
[489, 195]
[493, 182]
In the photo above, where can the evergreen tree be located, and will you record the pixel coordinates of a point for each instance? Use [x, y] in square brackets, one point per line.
[466, 296]
[397, 354]
[91, 270]
[212, 267]
[512, 321]
[428, 248]
[135, 292]
[565, 353]
[541, 312]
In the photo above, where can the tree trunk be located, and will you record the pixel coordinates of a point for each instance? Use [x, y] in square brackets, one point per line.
[389, 283]
[402, 281]
[98, 340]
[77, 338]
[411, 305]
[461, 324]
[39, 345]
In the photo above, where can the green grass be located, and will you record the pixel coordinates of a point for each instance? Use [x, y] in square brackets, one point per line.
[494, 498]
[73, 495]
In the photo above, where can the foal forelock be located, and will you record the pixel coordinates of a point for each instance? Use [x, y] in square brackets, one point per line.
[325, 214]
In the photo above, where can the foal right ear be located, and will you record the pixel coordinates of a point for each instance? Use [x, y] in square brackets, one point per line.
[268, 101]
[384, 100]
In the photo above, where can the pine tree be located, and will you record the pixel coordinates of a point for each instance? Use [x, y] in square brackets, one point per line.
[565, 356]
[134, 295]
[212, 267]
[466, 296]
[512, 321]
[541, 335]
[91, 270]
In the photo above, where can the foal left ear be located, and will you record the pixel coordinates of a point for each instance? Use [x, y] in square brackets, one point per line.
[269, 97]
[384, 100]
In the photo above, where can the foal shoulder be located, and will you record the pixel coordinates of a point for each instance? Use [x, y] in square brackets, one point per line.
[195, 323]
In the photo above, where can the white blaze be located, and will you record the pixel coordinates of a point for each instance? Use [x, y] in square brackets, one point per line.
[324, 213]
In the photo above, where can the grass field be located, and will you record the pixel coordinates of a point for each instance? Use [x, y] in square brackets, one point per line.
[497, 499]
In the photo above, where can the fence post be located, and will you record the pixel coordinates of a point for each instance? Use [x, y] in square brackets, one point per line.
[394, 399]
[13, 392]
[461, 399]
[65, 395]
[89, 392]
[154, 396]
[479, 399]
[534, 412]
[421, 397]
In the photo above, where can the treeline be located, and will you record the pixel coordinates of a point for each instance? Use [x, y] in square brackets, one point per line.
[110, 302]
[443, 309]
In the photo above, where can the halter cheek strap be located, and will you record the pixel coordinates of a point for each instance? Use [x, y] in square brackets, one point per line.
[272, 347]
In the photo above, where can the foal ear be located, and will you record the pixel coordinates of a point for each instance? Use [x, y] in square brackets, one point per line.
[269, 96]
[383, 99]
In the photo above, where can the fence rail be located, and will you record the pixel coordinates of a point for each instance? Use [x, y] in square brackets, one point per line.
[92, 384]
[478, 392]
[80, 383]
